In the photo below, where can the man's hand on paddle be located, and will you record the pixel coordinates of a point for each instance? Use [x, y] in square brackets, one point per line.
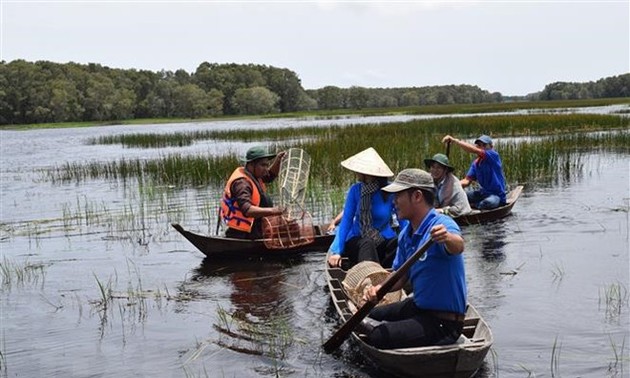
[370, 294]
[334, 260]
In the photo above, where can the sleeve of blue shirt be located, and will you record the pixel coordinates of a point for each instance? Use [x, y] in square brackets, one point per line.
[472, 171]
[349, 209]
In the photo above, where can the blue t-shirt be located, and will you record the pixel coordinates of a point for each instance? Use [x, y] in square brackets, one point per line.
[350, 226]
[438, 278]
[488, 172]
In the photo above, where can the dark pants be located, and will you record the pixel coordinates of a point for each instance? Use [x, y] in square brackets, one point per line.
[365, 249]
[238, 234]
[405, 325]
[483, 201]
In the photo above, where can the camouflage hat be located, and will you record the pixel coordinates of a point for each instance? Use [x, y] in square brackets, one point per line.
[410, 178]
[255, 153]
[440, 159]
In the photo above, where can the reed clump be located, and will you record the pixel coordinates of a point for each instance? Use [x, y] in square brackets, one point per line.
[270, 338]
[532, 147]
[145, 140]
[20, 274]
[614, 297]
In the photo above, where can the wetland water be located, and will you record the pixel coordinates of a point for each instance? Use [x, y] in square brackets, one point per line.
[551, 280]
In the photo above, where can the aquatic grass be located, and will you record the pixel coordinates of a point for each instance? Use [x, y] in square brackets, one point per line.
[555, 357]
[202, 373]
[105, 291]
[557, 272]
[530, 372]
[618, 351]
[186, 138]
[225, 319]
[282, 338]
[553, 159]
[145, 140]
[172, 170]
[495, 361]
[21, 274]
[272, 338]
[199, 348]
[402, 145]
[135, 293]
[56, 306]
[4, 371]
[548, 160]
[160, 296]
[130, 223]
[132, 304]
[614, 297]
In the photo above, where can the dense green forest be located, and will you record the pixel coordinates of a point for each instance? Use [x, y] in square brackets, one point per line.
[45, 92]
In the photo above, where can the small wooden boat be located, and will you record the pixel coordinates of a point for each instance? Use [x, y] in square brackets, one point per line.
[483, 216]
[461, 359]
[220, 246]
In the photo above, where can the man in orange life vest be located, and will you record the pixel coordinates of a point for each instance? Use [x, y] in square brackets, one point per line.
[245, 198]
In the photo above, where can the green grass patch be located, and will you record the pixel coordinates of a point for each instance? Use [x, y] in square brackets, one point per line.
[550, 150]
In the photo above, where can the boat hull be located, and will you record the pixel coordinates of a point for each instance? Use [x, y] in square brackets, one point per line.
[484, 216]
[219, 246]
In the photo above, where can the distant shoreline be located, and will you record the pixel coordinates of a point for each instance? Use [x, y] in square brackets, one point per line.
[428, 109]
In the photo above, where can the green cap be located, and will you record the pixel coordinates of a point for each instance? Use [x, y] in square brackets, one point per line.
[440, 159]
[257, 152]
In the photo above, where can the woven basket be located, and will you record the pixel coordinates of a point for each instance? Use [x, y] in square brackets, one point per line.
[281, 233]
[364, 275]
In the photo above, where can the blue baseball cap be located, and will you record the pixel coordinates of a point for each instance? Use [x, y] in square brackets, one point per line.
[484, 139]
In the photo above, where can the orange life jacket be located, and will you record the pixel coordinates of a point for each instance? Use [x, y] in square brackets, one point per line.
[231, 212]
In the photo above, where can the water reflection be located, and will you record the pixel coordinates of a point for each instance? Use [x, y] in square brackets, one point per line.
[257, 286]
[489, 239]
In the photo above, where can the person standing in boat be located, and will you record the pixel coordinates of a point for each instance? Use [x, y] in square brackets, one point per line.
[365, 232]
[245, 200]
[435, 313]
[450, 197]
[487, 170]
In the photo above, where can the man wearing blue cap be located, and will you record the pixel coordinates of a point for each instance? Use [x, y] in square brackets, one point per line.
[435, 314]
[245, 199]
[486, 169]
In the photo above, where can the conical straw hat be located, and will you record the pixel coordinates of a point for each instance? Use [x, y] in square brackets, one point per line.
[368, 162]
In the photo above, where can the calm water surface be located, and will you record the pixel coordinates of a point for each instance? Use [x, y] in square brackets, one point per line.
[555, 273]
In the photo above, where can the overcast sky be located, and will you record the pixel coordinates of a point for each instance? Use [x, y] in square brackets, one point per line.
[512, 47]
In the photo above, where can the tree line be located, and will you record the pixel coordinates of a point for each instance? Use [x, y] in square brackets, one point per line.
[43, 91]
[614, 86]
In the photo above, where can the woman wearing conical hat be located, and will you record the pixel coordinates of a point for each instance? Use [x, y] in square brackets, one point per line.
[365, 232]
[450, 197]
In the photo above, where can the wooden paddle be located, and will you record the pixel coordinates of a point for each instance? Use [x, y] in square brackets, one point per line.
[448, 147]
[338, 337]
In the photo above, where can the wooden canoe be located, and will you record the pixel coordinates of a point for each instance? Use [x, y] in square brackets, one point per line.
[461, 359]
[484, 216]
[220, 246]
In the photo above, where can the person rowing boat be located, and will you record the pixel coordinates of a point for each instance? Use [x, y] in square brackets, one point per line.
[435, 313]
